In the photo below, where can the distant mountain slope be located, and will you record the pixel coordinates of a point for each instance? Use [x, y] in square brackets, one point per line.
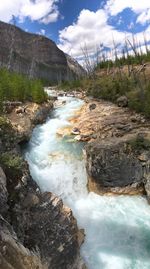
[75, 66]
[33, 55]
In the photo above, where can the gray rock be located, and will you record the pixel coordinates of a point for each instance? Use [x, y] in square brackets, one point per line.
[20, 110]
[3, 193]
[42, 222]
[34, 55]
[110, 165]
[75, 131]
[13, 255]
[75, 67]
[42, 114]
[122, 101]
[92, 106]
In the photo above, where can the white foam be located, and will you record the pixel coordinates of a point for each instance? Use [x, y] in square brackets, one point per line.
[117, 228]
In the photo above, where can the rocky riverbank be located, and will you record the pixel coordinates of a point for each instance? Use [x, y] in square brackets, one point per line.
[118, 150]
[36, 229]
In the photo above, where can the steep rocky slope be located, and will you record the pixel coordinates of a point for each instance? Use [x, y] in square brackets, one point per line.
[33, 55]
[118, 150]
[36, 229]
[75, 67]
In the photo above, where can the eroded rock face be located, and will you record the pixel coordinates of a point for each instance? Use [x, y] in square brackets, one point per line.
[32, 55]
[13, 255]
[42, 113]
[118, 149]
[75, 67]
[3, 193]
[112, 165]
[36, 229]
[42, 222]
[31, 115]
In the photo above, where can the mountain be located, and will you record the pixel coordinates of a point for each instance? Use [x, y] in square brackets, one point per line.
[33, 55]
[75, 67]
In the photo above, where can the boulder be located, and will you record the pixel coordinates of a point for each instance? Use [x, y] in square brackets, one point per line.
[92, 106]
[42, 113]
[111, 165]
[122, 101]
[75, 131]
[20, 110]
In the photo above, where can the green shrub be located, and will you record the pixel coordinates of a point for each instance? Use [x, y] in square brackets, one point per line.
[4, 122]
[71, 85]
[11, 161]
[110, 88]
[17, 87]
[140, 144]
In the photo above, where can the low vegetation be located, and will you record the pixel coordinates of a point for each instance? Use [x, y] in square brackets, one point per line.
[17, 87]
[11, 161]
[126, 75]
[140, 143]
[111, 88]
[69, 85]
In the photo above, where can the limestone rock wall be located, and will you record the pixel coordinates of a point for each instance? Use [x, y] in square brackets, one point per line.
[33, 55]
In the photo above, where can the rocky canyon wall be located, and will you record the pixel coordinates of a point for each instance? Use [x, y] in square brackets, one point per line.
[33, 55]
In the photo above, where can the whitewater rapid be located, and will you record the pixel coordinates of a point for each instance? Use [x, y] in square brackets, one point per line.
[117, 228]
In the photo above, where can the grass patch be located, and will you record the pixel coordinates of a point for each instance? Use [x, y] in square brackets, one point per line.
[140, 143]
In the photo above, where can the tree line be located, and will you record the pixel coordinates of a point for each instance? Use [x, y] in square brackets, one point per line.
[16, 87]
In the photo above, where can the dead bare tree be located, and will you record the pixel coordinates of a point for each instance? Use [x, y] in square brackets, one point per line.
[87, 60]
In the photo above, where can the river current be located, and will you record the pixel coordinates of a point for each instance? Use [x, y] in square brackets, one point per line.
[117, 228]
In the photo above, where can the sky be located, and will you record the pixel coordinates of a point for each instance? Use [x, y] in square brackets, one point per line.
[79, 25]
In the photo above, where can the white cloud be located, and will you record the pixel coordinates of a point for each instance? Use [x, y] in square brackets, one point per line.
[116, 6]
[39, 10]
[91, 29]
[42, 32]
[141, 8]
[144, 17]
[52, 17]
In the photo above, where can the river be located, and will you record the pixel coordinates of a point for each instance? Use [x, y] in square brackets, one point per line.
[117, 228]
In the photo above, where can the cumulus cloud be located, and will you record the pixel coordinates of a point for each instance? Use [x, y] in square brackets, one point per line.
[141, 8]
[93, 28]
[116, 6]
[51, 17]
[39, 10]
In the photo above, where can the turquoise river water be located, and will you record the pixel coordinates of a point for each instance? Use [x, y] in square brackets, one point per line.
[117, 227]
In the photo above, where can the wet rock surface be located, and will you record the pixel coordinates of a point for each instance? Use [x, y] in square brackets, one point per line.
[112, 164]
[117, 153]
[114, 167]
[27, 116]
[36, 229]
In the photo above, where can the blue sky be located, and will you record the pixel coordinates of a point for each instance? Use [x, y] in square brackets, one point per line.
[76, 24]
